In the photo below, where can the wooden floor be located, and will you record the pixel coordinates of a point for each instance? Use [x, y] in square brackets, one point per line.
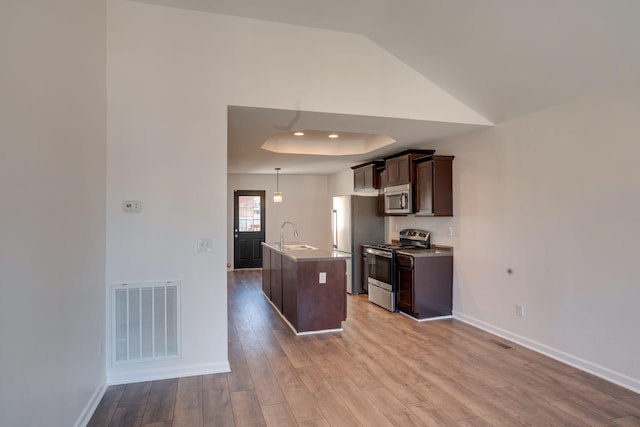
[382, 370]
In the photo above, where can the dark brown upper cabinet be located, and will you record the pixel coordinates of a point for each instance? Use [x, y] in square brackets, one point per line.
[400, 166]
[434, 186]
[366, 176]
[383, 183]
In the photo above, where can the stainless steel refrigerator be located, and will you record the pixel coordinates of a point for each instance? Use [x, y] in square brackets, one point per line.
[355, 221]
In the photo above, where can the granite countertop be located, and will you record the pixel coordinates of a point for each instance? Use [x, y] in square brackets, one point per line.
[303, 252]
[435, 250]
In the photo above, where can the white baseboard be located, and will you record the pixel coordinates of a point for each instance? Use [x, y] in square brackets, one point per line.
[153, 374]
[91, 406]
[429, 319]
[618, 378]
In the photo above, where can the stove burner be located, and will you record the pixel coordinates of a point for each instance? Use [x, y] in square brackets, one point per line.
[409, 239]
[395, 246]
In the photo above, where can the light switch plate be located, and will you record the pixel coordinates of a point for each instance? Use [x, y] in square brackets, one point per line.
[205, 245]
[323, 277]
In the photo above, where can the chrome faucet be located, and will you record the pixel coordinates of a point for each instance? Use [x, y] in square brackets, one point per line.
[295, 232]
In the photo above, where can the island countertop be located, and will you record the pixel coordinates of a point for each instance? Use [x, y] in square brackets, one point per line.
[303, 252]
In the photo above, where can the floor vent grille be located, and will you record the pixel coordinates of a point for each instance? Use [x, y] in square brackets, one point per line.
[146, 321]
[500, 344]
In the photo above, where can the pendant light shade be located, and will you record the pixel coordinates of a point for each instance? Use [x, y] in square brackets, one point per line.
[277, 195]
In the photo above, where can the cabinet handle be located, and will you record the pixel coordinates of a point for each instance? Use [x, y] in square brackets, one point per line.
[334, 219]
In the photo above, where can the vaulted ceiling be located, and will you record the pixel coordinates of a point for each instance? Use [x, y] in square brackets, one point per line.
[502, 58]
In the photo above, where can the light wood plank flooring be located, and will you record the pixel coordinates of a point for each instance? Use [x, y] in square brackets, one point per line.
[383, 370]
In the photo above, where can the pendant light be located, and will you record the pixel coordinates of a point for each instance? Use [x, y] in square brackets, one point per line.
[277, 195]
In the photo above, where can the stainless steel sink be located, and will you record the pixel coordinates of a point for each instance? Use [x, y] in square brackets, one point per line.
[296, 246]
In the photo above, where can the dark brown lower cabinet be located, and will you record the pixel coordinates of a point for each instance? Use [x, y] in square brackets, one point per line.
[276, 279]
[309, 305]
[425, 285]
[405, 280]
[295, 290]
[266, 271]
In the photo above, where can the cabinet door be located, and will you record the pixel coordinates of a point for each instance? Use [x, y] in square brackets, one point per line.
[443, 186]
[424, 188]
[365, 178]
[384, 182]
[368, 172]
[405, 280]
[276, 279]
[404, 169]
[393, 172]
[358, 179]
[434, 187]
[398, 170]
[266, 271]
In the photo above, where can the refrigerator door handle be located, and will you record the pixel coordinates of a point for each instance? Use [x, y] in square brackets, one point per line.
[334, 227]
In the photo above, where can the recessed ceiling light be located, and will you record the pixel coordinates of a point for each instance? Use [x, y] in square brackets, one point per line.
[333, 135]
[299, 134]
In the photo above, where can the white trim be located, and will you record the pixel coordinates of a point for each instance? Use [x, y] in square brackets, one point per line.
[90, 407]
[428, 319]
[153, 374]
[321, 331]
[618, 378]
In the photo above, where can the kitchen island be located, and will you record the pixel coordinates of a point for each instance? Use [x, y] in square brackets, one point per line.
[306, 285]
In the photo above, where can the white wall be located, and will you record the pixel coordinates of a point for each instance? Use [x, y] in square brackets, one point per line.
[171, 74]
[550, 196]
[555, 197]
[341, 184]
[306, 203]
[52, 187]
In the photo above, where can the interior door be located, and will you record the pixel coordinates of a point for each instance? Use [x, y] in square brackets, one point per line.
[248, 228]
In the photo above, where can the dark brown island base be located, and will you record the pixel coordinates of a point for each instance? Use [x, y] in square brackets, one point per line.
[306, 285]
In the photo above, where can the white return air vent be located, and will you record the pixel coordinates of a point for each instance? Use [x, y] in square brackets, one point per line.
[146, 321]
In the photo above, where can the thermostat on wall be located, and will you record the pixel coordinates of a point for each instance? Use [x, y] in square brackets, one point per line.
[132, 206]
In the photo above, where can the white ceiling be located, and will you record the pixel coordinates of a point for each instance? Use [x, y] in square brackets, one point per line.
[502, 58]
[249, 127]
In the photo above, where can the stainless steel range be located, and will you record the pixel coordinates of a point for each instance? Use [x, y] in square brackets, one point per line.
[382, 282]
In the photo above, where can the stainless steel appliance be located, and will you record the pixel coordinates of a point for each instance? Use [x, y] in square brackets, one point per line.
[397, 199]
[381, 289]
[355, 221]
[381, 262]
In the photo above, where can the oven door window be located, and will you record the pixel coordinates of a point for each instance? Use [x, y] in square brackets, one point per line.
[380, 268]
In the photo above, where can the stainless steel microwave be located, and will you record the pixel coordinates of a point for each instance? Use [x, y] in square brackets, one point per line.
[397, 200]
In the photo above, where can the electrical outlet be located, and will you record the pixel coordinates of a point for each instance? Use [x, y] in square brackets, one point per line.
[520, 310]
[450, 232]
[323, 277]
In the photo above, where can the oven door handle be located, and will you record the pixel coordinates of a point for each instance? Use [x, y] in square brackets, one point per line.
[378, 252]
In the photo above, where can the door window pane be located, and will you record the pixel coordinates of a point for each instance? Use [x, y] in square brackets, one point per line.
[249, 213]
